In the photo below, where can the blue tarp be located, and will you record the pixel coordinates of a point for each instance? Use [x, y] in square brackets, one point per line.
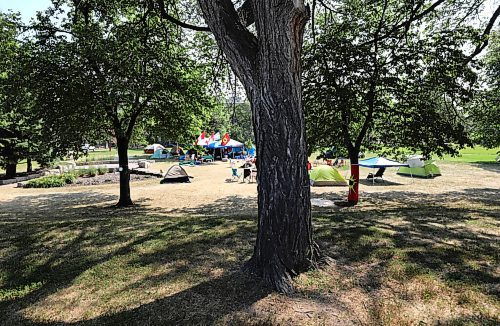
[380, 162]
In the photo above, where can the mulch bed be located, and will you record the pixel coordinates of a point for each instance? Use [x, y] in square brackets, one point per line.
[105, 179]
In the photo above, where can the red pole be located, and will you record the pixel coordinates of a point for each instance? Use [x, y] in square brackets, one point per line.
[353, 196]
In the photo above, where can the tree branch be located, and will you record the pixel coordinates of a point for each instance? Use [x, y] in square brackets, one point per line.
[407, 22]
[484, 37]
[164, 14]
[236, 41]
[245, 12]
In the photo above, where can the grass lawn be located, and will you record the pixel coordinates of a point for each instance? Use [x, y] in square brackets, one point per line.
[98, 155]
[103, 154]
[401, 257]
[477, 154]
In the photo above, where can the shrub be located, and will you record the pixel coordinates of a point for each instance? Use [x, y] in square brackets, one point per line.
[92, 172]
[79, 173]
[102, 170]
[52, 181]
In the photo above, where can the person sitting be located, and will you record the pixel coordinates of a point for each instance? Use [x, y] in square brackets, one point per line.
[247, 170]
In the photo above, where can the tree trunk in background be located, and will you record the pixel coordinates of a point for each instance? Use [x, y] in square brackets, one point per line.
[10, 170]
[269, 68]
[125, 200]
[29, 165]
[353, 196]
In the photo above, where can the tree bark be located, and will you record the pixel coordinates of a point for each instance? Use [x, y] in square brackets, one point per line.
[29, 165]
[125, 200]
[10, 170]
[269, 68]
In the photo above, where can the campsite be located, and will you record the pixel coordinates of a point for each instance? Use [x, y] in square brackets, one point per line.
[185, 240]
[249, 162]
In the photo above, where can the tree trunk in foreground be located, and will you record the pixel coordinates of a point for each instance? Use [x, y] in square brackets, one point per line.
[29, 165]
[10, 170]
[125, 200]
[268, 65]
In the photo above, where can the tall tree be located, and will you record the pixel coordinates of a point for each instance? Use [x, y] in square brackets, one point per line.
[267, 62]
[484, 112]
[22, 134]
[120, 64]
[374, 82]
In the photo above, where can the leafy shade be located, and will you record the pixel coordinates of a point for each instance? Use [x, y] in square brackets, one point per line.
[404, 90]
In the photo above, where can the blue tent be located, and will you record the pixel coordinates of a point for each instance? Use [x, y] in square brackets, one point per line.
[380, 162]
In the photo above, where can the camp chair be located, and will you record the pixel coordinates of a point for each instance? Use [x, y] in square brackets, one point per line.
[379, 174]
[235, 176]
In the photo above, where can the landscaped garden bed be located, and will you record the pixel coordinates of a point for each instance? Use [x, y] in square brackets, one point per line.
[81, 177]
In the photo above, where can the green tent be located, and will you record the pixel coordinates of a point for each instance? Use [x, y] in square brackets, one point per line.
[429, 170]
[325, 175]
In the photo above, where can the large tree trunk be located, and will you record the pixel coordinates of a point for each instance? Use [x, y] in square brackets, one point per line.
[269, 68]
[125, 200]
[10, 170]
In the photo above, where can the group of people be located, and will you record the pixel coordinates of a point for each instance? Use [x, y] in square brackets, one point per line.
[249, 168]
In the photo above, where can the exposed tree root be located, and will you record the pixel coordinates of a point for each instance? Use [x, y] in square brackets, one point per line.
[278, 275]
[124, 203]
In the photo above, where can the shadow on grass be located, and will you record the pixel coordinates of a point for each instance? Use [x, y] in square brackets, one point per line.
[488, 166]
[410, 234]
[50, 243]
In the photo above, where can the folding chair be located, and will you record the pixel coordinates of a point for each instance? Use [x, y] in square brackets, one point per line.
[235, 176]
[379, 174]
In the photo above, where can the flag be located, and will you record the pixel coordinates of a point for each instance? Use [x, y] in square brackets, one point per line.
[201, 139]
[217, 136]
[225, 139]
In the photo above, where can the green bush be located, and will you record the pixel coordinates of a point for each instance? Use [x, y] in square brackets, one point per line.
[102, 170]
[79, 173]
[92, 172]
[52, 181]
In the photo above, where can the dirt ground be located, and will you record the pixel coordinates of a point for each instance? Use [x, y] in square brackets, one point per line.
[211, 182]
[413, 252]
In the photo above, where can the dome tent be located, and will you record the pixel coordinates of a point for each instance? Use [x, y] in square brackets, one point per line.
[429, 169]
[325, 175]
[176, 174]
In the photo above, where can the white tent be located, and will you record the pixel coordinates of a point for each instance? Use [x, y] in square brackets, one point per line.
[150, 149]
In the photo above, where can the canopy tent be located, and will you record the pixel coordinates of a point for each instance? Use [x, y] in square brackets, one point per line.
[150, 149]
[219, 151]
[231, 144]
[176, 174]
[325, 175]
[428, 170]
[380, 162]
